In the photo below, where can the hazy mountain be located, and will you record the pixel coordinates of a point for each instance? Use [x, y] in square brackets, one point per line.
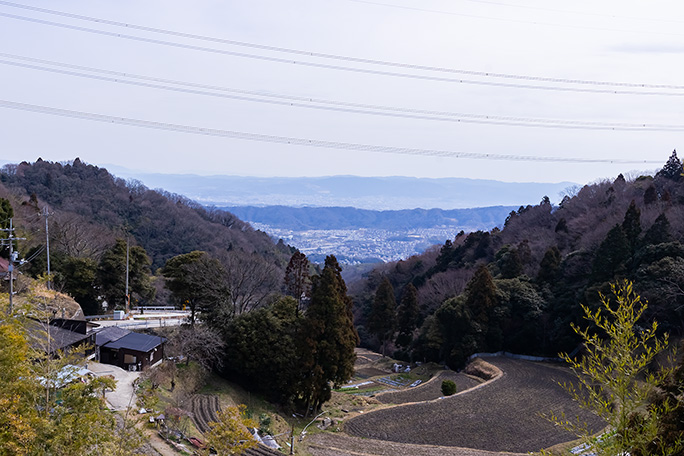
[349, 218]
[377, 193]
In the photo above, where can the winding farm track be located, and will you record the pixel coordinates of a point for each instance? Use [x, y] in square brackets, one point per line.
[329, 444]
[502, 415]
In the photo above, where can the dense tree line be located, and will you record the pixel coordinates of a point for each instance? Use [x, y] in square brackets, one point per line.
[292, 355]
[519, 288]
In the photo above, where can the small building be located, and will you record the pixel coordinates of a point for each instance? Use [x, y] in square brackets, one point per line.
[60, 335]
[127, 349]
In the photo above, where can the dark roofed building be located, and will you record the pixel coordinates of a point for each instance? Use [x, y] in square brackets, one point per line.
[127, 349]
[109, 334]
[51, 338]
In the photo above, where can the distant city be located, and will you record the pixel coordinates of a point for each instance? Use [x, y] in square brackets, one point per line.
[361, 245]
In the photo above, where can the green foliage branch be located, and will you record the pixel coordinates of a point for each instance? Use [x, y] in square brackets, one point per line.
[614, 376]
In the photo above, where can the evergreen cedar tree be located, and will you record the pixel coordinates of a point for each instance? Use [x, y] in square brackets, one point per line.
[329, 337]
[383, 317]
[408, 314]
[672, 169]
[297, 280]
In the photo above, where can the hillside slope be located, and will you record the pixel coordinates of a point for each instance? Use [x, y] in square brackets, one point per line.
[519, 288]
[96, 201]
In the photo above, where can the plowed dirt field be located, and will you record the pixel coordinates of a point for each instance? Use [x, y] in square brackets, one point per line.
[501, 416]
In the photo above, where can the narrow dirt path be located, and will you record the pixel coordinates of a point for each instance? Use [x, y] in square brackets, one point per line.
[329, 444]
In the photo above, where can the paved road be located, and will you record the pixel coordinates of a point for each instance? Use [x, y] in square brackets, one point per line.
[142, 324]
[124, 395]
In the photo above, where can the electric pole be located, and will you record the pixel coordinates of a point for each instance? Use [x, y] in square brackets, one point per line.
[128, 299]
[9, 242]
[46, 214]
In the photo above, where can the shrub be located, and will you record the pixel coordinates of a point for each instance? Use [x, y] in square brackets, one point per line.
[448, 387]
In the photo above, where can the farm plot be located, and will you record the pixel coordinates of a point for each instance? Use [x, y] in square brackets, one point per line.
[430, 390]
[500, 416]
[204, 408]
[364, 356]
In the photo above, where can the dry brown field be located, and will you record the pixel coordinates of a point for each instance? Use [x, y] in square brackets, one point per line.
[432, 389]
[338, 444]
[503, 415]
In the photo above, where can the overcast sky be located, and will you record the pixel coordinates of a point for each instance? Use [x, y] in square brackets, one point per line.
[606, 41]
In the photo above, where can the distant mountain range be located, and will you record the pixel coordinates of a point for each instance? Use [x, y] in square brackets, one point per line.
[375, 193]
[349, 218]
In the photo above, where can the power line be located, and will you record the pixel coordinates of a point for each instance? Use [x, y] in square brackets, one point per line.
[538, 8]
[517, 21]
[304, 142]
[581, 13]
[361, 70]
[304, 52]
[334, 105]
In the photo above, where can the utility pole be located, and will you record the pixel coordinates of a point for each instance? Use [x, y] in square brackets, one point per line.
[46, 214]
[12, 259]
[128, 299]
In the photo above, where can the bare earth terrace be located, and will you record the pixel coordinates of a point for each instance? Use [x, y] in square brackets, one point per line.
[501, 416]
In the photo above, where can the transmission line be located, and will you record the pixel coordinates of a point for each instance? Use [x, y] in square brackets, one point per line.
[581, 13]
[333, 105]
[308, 53]
[304, 142]
[538, 8]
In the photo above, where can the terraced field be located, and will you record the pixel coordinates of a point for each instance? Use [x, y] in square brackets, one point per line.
[429, 390]
[204, 410]
[337, 444]
[500, 416]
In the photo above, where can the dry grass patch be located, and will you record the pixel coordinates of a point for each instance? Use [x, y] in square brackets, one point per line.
[481, 368]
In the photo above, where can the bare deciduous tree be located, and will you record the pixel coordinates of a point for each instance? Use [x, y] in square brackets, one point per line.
[198, 343]
[251, 280]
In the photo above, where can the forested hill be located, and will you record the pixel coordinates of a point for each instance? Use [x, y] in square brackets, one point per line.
[519, 288]
[91, 208]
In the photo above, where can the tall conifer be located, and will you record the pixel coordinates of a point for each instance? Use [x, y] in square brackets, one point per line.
[407, 315]
[383, 317]
[328, 337]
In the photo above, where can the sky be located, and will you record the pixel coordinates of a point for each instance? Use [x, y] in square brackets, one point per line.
[396, 85]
